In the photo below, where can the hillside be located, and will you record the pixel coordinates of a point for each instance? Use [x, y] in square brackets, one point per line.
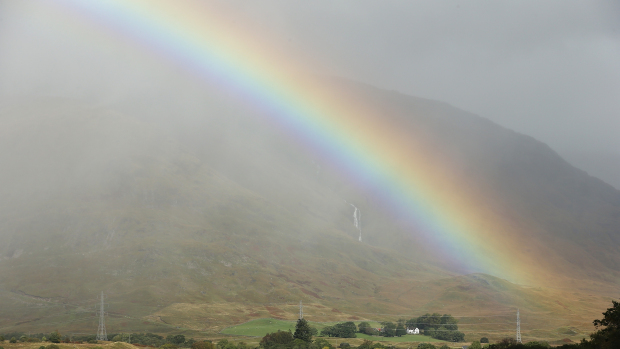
[204, 216]
[604, 165]
[152, 225]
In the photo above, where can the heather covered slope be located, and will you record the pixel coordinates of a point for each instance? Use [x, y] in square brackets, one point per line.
[568, 217]
[112, 203]
[195, 218]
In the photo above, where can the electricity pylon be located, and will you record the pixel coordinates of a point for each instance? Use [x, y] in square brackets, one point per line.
[518, 327]
[101, 333]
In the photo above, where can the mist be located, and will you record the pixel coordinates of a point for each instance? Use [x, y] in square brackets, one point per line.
[546, 70]
[127, 169]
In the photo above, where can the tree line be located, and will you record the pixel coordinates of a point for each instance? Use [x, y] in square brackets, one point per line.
[442, 327]
[302, 339]
[341, 330]
[607, 336]
[146, 339]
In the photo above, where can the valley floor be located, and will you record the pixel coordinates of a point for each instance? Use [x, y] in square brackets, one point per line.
[256, 329]
[251, 342]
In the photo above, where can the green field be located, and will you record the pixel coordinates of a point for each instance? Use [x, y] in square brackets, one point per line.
[260, 327]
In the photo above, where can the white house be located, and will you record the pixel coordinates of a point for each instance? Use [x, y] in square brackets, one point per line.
[413, 331]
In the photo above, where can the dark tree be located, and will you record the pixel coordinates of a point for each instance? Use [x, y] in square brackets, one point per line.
[484, 340]
[475, 345]
[400, 330]
[449, 322]
[435, 320]
[328, 331]
[318, 344]
[423, 322]
[341, 330]
[314, 331]
[346, 330]
[363, 326]
[176, 339]
[389, 329]
[438, 326]
[280, 338]
[54, 337]
[608, 334]
[225, 344]
[303, 331]
[611, 318]
[426, 321]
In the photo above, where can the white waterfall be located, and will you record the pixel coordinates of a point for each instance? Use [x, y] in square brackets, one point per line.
[357, 220]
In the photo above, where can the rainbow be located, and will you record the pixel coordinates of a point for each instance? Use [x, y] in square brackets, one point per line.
[202, 38]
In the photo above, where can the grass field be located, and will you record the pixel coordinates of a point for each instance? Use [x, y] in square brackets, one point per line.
[260, 327]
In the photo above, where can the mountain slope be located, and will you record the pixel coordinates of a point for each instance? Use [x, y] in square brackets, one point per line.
[165, 207]
[160, 226]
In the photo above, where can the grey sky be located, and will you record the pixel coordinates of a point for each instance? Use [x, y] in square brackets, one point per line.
[549, 69]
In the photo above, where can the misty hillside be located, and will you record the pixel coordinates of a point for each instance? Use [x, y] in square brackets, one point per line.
[574, 214]
[160, 204]
[604, 165]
